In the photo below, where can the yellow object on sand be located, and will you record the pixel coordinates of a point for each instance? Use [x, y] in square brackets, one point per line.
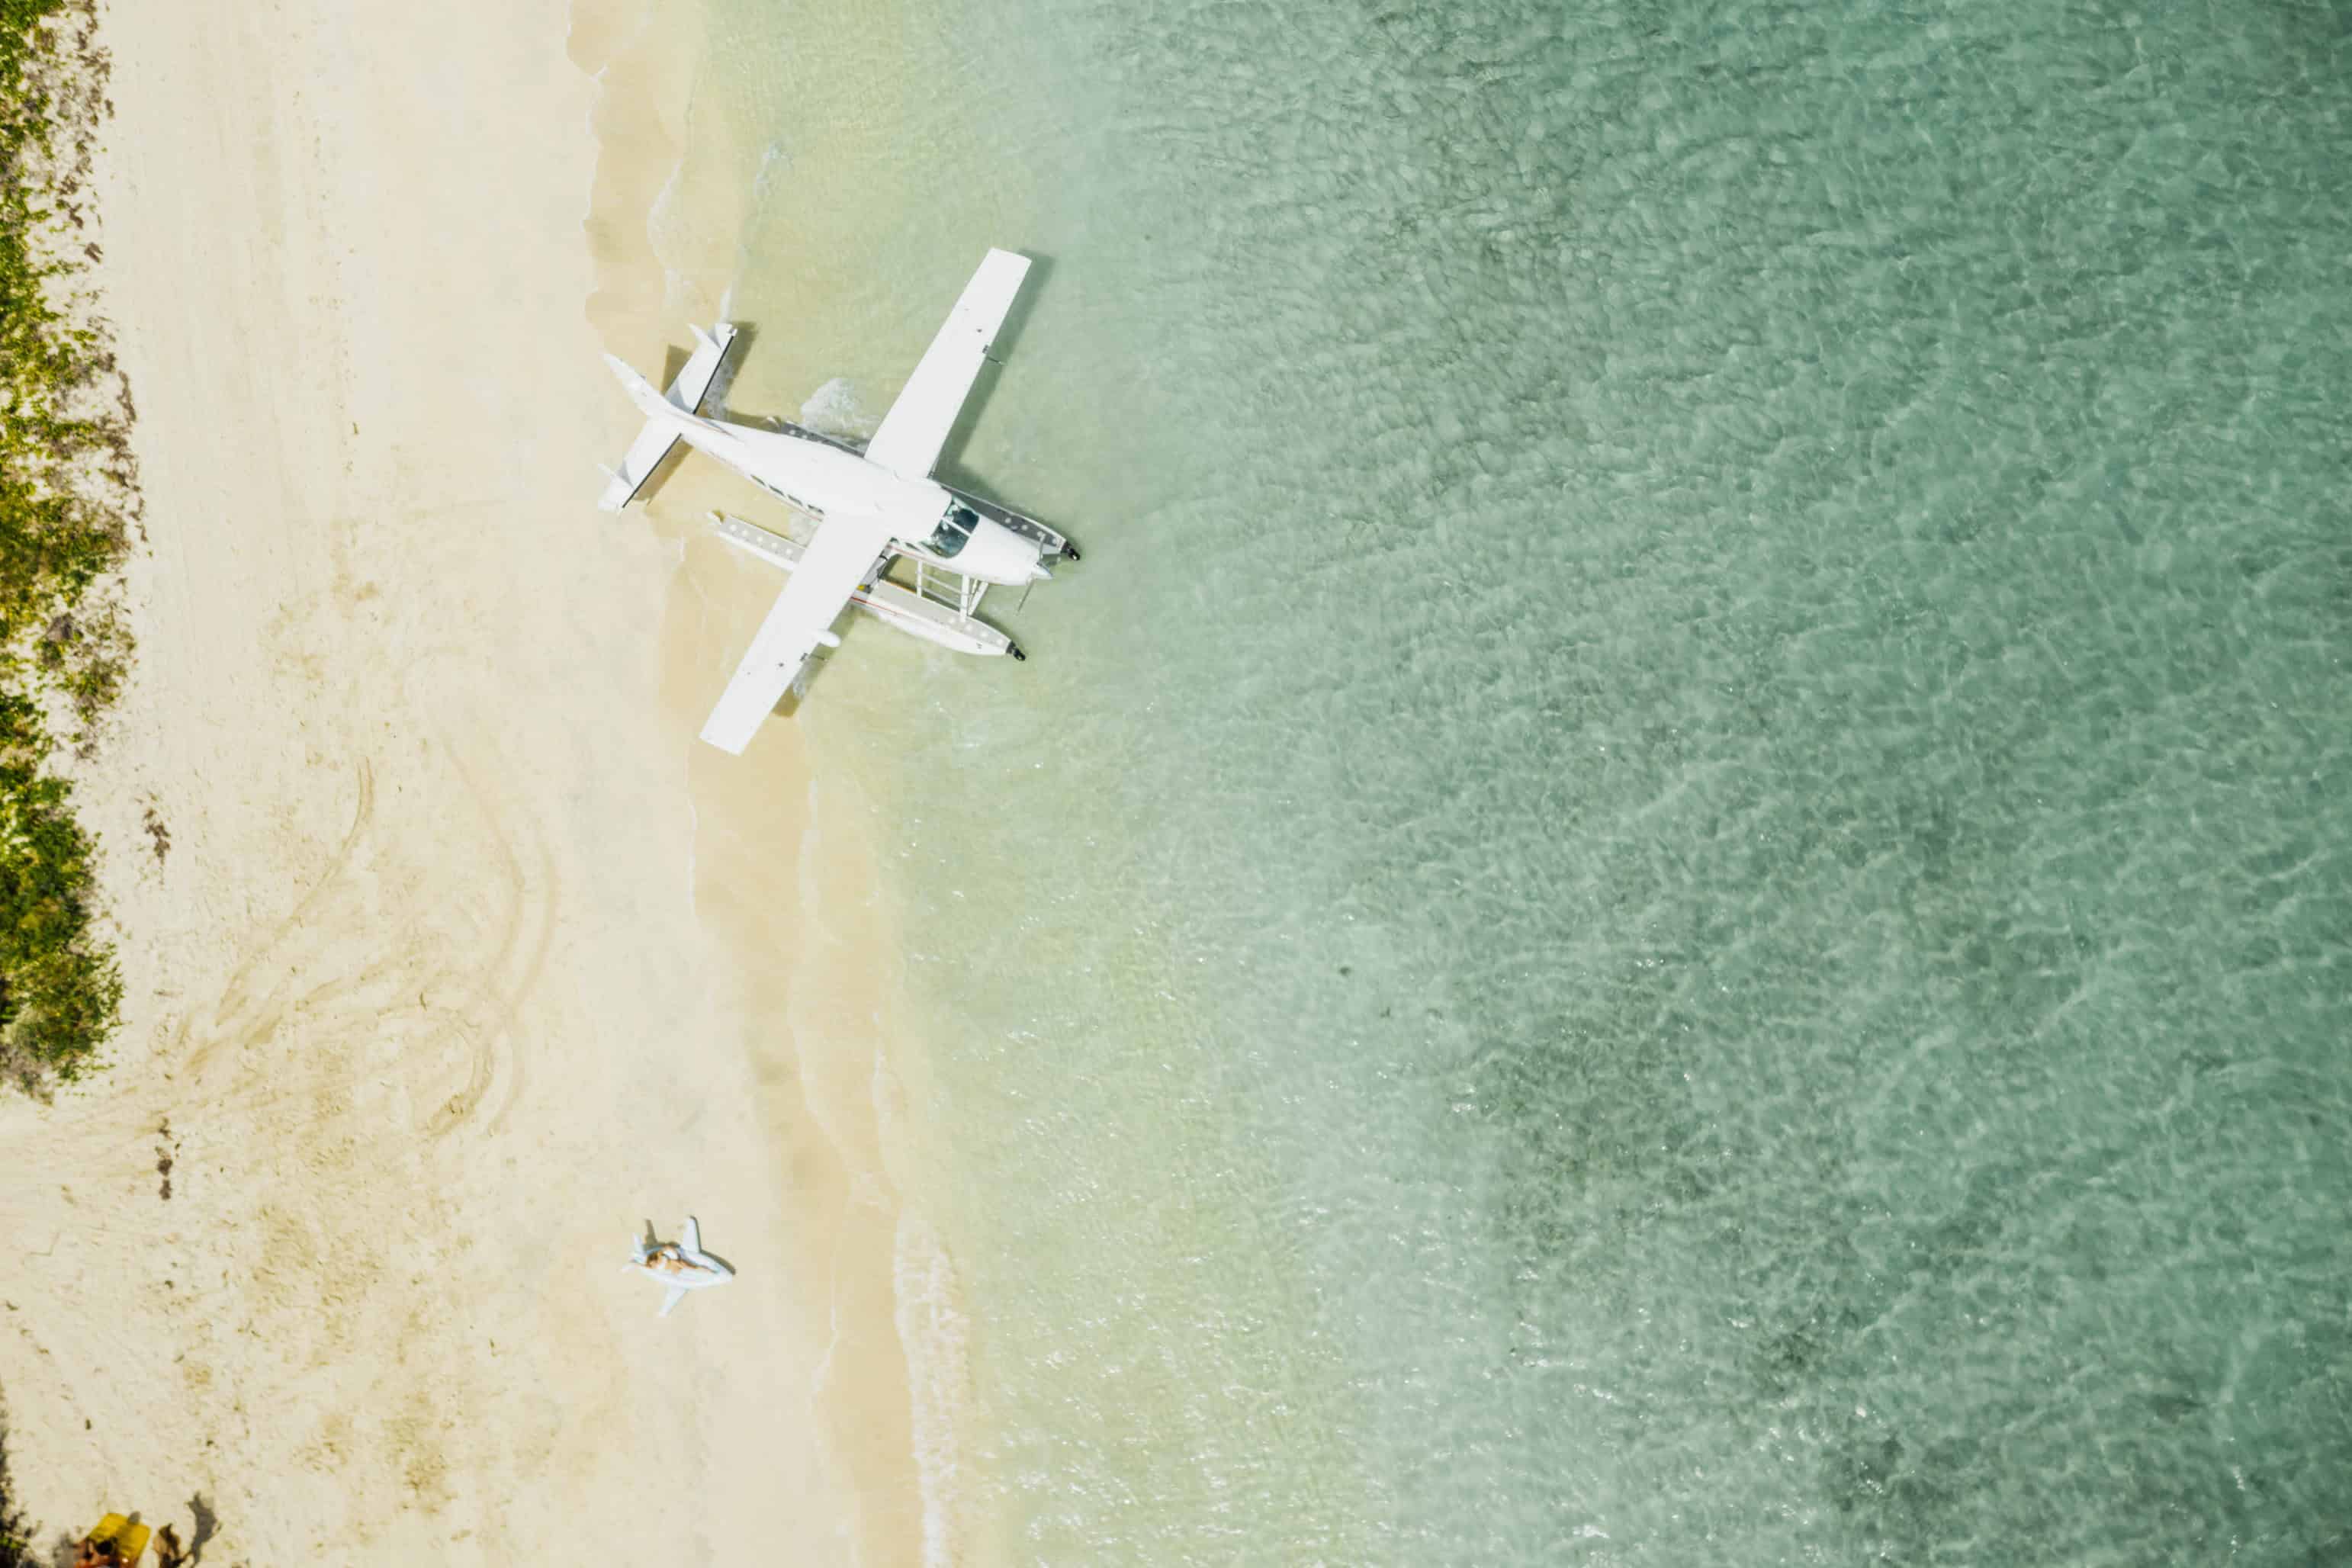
[131, 1539]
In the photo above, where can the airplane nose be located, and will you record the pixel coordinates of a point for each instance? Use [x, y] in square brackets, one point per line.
[1038, 574]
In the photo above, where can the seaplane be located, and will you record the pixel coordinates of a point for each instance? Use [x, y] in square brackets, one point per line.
[876, 502]
[680, 1265]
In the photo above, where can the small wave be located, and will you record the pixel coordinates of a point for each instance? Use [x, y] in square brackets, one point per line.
[833, 409]
[668, 232]
[773, 162]
[935, 1336]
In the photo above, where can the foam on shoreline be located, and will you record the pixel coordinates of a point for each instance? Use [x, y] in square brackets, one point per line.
[784, 872]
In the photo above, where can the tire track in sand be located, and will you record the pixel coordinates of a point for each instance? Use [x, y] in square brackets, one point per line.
[387, 1004]
[236, 1015]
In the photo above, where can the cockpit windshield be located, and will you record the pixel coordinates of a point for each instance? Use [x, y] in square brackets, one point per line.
[955, 531]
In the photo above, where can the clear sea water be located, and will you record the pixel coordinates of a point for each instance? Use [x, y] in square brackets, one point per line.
[1676, 885]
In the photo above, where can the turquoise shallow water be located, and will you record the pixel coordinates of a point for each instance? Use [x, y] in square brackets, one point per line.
[1675, 886]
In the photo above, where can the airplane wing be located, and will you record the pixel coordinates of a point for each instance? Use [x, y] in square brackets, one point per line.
[908, 439]
[829, 573]
[677, 1294]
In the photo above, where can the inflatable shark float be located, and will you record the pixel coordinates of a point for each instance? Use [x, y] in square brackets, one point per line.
[679, 1266]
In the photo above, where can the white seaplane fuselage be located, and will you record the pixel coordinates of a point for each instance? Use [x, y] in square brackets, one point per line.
[923, 519]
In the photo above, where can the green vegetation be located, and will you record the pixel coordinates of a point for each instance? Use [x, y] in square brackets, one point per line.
[15, 1533]
[68, 498]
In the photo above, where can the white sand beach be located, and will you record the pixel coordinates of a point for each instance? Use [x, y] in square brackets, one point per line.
[463, 961]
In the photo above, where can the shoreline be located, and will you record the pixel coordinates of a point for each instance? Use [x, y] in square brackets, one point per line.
[818, 964]
[462, 964]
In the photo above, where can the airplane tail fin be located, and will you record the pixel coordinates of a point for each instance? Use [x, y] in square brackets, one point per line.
[660, 433]
[666, 414]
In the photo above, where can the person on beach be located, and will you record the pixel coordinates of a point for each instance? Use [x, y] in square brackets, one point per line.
[682, 1266]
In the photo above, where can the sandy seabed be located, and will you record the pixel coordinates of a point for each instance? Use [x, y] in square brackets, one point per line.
[463, 961]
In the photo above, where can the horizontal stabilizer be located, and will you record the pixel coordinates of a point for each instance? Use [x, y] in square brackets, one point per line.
[637, 464]
[695, 376]
[662, 410]
[651, 404]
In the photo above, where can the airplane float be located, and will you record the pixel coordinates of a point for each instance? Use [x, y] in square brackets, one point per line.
[679, 1266]
[876, 502]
